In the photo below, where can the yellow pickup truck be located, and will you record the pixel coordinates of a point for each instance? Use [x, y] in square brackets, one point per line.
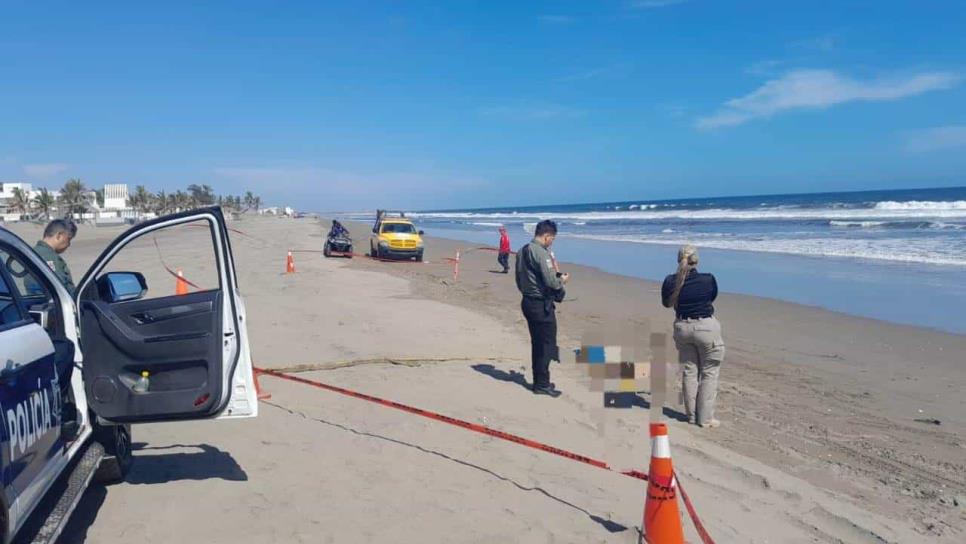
[395, 237]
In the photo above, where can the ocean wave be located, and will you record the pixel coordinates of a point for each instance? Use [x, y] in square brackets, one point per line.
[895, 249]
[861, 224]
[928, 205]
[487, 224]
[779, 213]
[941, 225]
[897, 224]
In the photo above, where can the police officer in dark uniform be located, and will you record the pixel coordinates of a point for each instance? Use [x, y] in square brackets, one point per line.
[57, 238]
[541, 286]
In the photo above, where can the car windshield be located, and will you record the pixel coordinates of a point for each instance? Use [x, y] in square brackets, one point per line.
[399, 228]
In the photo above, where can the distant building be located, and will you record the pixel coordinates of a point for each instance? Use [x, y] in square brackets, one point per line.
[7, 187]
[6, 195]
[115, 196]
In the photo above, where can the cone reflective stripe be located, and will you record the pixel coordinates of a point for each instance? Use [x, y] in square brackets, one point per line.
[662, 521]
[180, 286]
[290, 263]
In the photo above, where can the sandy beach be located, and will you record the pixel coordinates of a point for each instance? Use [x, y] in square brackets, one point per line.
[819, 441]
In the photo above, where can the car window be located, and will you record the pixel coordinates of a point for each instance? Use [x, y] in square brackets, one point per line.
[26, 280]
[160, 254]
[398, 228]
[9, 310]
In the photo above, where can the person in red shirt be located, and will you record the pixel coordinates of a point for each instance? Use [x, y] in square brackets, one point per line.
[504, 257]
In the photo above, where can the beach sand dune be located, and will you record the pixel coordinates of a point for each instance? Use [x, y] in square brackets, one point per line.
[819, 443]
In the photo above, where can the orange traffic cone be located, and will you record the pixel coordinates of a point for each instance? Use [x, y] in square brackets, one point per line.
[181, 286]
[290, 263]
[662, 522]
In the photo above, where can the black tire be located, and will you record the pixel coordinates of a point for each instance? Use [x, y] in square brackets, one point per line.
[119, 457]
[325, 250]
[348, 254]
[419, 257]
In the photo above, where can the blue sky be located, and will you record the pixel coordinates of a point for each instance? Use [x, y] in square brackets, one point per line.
[351, 105]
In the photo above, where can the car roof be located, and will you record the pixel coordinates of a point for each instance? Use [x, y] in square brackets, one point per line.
[397, 220]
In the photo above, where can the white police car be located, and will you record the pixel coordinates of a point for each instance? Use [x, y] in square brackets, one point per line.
[69, 365]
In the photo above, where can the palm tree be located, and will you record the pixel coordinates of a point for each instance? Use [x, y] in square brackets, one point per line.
[201, 195]
[141, 200]
[74, 197]
[257, 203]
[182, 201]
[161, 203]
[100, 197]
[249, 200]
[20, 201]
[44, 202]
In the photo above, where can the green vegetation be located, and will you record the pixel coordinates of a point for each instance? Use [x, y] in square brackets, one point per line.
[75, 199]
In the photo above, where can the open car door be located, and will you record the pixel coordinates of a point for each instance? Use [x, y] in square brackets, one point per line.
[161, 345]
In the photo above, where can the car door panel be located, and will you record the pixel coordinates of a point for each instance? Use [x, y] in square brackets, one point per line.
[189, 344]
[172, 338]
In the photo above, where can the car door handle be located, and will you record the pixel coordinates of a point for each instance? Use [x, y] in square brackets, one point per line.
[143, 318]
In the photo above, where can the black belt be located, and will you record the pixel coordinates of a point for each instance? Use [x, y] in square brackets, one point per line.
[695, 316]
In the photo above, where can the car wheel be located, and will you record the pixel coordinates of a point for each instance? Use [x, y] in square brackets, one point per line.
[325, 250]
[119, 457]
[419, 257]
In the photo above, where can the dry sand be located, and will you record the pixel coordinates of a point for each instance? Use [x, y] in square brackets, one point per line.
[819, 442]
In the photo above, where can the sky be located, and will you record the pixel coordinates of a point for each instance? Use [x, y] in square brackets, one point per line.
[334, 106]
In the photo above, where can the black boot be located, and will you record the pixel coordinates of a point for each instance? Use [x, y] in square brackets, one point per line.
[550, 391]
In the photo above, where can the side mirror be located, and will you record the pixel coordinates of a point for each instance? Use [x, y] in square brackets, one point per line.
[122, 286]
[422, 232]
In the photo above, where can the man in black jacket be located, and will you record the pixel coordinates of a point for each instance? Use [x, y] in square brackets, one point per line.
[541, 286]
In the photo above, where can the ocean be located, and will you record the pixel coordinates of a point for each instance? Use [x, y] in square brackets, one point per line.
[897, 255]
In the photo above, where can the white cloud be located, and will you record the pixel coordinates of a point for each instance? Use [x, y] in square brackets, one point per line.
[936, 138]
[557, 19]
[817, 89]
[654, 4]
[44, 171]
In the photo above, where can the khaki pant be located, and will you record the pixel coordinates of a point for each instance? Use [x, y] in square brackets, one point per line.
[700, 352]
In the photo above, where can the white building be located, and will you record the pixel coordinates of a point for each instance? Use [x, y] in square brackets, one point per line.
[7, 187]
[115, 196]
[6, 195]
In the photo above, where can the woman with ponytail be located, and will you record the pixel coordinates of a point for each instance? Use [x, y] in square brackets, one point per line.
[697, 334]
